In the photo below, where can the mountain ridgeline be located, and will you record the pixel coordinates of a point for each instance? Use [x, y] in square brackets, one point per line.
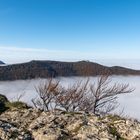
[1, 63]
[45, 69]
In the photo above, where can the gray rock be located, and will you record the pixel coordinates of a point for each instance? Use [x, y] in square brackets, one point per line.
[32, 124]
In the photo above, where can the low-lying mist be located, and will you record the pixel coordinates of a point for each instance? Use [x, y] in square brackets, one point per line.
[128, 102]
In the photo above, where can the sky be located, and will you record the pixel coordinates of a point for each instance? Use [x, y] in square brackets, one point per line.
[70, 30]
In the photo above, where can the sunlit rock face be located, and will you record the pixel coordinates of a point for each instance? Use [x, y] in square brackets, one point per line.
[56, 125]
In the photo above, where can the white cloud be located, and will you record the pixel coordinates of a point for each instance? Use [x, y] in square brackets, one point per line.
[18, 54]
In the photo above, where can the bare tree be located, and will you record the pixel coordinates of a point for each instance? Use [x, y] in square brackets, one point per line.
[103, 95]
[98, 97]
[47, 92]
[20, 96]
[71, 98]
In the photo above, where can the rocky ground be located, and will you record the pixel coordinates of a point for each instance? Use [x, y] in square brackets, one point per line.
[32, 124]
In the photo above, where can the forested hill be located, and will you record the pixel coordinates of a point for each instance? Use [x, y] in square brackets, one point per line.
[44, 69]
[1, 63]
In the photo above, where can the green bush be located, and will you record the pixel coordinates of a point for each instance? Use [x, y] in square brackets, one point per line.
[17, 104]
[3, 101]
[5, 104]
[113, 130]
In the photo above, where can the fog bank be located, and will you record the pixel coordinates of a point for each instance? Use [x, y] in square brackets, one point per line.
[129, 102]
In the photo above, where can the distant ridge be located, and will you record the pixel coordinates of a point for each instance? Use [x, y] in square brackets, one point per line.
[44, 69]
[1, 63]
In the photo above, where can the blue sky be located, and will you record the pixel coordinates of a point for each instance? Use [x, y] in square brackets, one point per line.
[69, 30]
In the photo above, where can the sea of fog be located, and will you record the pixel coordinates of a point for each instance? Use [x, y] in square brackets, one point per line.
[129, 103]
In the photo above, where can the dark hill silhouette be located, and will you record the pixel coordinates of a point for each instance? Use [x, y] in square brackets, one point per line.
[1, 62]
[44, 69]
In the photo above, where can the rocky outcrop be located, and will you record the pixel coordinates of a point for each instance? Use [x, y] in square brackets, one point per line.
[32, 124]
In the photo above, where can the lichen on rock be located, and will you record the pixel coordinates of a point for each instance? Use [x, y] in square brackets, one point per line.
[33, 124]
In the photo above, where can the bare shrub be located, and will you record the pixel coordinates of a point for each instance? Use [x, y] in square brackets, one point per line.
[47, 91]
[99, 97]
[20, 96]
[71, 98]
[103, 94]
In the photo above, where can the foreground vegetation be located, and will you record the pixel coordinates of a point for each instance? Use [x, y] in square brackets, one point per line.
[79, 111]
[5, 104]
[99, 96]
